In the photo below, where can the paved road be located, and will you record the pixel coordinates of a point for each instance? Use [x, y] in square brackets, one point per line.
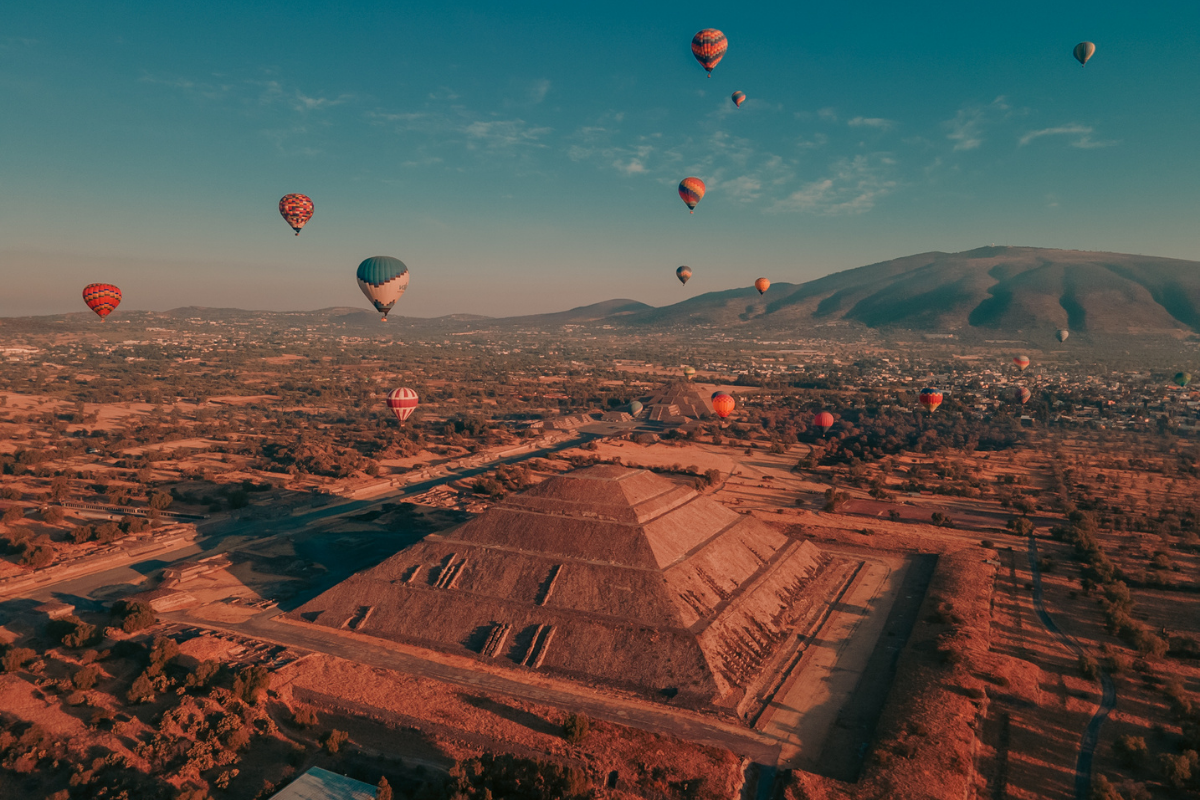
[1108, 700]
[637, 714]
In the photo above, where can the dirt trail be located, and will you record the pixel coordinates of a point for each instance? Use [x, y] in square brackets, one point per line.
[1108, 700]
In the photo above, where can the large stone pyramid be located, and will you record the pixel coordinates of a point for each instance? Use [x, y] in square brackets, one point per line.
[603, 574]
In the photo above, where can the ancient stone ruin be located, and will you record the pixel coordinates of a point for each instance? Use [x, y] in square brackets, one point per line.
[605, 574]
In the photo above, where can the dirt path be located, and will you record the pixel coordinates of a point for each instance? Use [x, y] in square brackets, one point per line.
[1108, 700]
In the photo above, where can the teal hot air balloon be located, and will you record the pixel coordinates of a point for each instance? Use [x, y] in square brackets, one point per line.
[383, 280]
[1182, 378]
[635, 408]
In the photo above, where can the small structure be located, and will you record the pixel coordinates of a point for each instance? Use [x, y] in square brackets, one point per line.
[164, 599]
[194, 569]
[55, 609]
[207, 647]
[321, 784]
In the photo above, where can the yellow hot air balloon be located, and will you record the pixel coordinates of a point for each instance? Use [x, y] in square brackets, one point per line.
[1083, 51]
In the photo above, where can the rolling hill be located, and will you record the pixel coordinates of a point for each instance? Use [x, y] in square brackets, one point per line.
[991, 288]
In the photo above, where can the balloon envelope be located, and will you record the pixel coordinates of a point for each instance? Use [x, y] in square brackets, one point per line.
[101, 298]
[689, 372]
[692, 192]
[402, 402]
[296, 210]
[383, 280]
[709, 46]
[762, 284]
[635, 408]
[1182, 378]
[1084, 51]
[723, 404]
[1022, 394]
[1062, 334]
[738, 98]
[1022, 362]
[824, 421]
[683, 273]
[930, 398]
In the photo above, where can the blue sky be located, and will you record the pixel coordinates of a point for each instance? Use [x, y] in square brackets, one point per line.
[523, 157]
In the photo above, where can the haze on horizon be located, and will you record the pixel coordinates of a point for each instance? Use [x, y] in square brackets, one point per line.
[524, 159]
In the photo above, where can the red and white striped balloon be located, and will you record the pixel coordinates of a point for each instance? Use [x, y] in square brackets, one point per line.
[402, 402]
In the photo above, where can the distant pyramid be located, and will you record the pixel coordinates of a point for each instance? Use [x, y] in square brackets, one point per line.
[606, 573]
[678, 402]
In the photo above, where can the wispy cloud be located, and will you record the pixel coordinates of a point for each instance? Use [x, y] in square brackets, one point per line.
[1083, 134]
[828, 114]
[538, 90]
[504, 133]
[853, 187]
[870, 122]
[967, 127]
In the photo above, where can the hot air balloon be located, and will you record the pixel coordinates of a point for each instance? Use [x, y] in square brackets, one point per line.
[1022, 395]
[689, 372]
[383, 279]
[723, 404]
[402, 402]
[102, 298]
[683, 273]
[1182, 378]
[762, 284]
[1022, 362]
[738, 98]
[930, 398]
[296, 210]
[635, 408]
[713, 396]
[1083, 51]
[824, 421]
[709, 46]
[692, 192]
[1062, 334]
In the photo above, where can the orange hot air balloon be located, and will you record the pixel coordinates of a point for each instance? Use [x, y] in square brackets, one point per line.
[738, 98]
[296, 210]
[723, 404]
[824, 421]
[1022, 362]
[692, 192]
[709, 46]
[102, 298]
[762, 284]
[930, 398]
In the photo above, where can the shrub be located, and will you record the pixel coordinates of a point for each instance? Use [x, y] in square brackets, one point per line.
[135, 615]
[85, 677]
[334, 741]
[17, 657]
[1178, 771]
[1088, 667]
[251, 683]
[38, 557]
[304, 717]
[382, 790]
[142, 690]
[1131, 751]
[576, 727]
